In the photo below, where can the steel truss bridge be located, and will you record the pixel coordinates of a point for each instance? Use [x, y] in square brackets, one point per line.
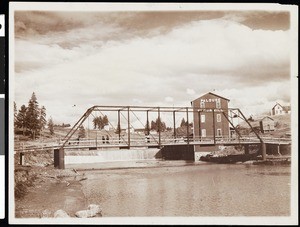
[123, 133]
[131, 137]
[144, 137]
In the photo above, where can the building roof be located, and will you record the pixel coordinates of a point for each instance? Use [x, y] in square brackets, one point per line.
[211, 94]
[261, 119]
[286, 108]
[276, 105]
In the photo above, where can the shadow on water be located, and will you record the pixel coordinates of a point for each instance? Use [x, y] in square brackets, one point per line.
[275, 174]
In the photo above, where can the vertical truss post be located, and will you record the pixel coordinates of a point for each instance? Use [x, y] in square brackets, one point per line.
[88, 130]
[159, 127]
[119, 126]
[147, 128]
[263, 151]
[128, 125]
[147, 123]
[174, 125]
[187, 126]
[96, 139]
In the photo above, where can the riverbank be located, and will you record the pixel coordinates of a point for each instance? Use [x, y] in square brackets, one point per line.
[50, 190]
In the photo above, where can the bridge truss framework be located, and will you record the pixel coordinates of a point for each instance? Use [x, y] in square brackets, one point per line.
[131, 111]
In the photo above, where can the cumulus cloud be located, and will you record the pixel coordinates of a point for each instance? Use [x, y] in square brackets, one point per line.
[104, 63]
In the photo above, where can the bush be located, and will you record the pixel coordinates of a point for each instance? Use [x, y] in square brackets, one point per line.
[22, 182]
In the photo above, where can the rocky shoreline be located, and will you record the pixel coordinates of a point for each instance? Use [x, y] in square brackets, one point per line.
[46, 192]
[246, 158]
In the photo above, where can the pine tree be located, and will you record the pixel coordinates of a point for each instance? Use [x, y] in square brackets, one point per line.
[183, 123]
[100, 122]
[15, 112]
[32, 116]
[96, 122]
[21, 118]
[51, 126]
[160, 125]
[153, 126]
[105, 121]
[42, 119]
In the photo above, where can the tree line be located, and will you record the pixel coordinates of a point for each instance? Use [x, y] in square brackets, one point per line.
[158, 125]
[31, 119]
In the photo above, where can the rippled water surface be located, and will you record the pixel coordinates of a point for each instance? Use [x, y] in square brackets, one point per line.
[191, 190]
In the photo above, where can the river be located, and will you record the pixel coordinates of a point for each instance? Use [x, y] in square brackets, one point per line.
[190, 189]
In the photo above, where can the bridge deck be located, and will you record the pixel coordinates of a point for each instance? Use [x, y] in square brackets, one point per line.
[92, 144]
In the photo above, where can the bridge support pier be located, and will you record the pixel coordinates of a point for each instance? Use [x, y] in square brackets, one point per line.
[22, 159]
[59, 158]
[263, 151]
[246, 147]
[278, 149]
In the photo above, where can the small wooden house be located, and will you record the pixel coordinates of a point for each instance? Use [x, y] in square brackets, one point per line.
[280, 110]
[267, 124]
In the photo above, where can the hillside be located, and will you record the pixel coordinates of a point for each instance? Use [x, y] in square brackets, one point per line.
[282, 125]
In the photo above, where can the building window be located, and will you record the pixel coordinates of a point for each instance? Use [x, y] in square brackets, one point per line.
[202, 104]
[202, 118]
[218, 103]
[219, 132]
[219, 118]
[203, 132]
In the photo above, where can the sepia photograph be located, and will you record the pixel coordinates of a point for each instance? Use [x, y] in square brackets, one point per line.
[152, 113]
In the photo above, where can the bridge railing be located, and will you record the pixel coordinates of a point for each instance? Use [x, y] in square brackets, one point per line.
[276, 140]
[146, 141]
[155, 139]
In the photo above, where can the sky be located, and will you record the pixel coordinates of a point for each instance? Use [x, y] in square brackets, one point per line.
[75, 60]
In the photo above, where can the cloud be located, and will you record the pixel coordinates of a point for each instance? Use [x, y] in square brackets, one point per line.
[258, 99]
[30, 23]
[169, 99]
[190, 91]
[102, 63]
[266, 20]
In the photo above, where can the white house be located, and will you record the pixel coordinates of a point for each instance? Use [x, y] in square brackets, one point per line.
[280, 110]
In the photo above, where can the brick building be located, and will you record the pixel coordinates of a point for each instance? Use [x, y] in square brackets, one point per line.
[209, 120]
